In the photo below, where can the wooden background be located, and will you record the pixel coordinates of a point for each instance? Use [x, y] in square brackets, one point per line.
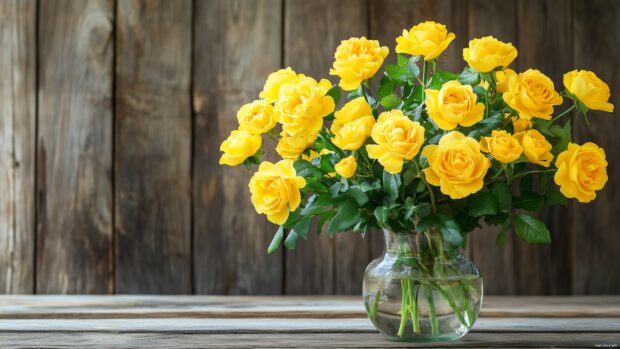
[111, 116]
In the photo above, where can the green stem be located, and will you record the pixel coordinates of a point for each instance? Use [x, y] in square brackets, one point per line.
[532, 172]
[403, 308]
[375, 306]
[564, 113]
[466, 304]
[413, 308]
[432, 312]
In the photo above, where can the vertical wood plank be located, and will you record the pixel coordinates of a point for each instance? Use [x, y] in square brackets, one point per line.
[545, 43]
[74, 155]
[496, 264]
[17, 144]
[595, 246]
[153, 146]
[313, 30]
[236, 45]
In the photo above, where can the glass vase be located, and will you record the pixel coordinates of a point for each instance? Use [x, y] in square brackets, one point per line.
[418, 291]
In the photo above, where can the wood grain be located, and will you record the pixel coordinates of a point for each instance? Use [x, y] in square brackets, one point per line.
[496, 264]
[153, 147]
[17, 145]
[236, 45]
[216, 321]
[545, 27]
[74, 155]
[595, 246]
[324, 307]
[323, 265]
[296, 340]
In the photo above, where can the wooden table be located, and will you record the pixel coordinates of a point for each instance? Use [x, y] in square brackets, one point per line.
[292, 322]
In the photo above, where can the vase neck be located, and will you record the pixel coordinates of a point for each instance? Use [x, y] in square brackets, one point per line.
[413, 244]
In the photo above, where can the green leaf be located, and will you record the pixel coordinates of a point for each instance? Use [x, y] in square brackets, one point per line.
[391, 182]
[469, 76]
[502, 193]
[555, 197]
[529, 201]
[423, 209]
[563, 134]
[334, 93]
[346, 217]
[335, 189]
[311, 207]
[276, 241]
[386, 87]
[291, 240]
[358, 195]
[485, 126]
[390, 101]
[366, 186]
[424, 224]
[305, 169]
[531, 230]
[302, 227]
[324, 217]
[410, 174]
[409, 208]
[450, 230]
[381, 214]
[404, 73]
[483, 203]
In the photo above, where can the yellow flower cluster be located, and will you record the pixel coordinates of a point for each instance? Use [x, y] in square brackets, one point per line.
[439, 131]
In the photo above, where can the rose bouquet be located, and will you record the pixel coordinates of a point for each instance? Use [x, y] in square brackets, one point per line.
[424, 154]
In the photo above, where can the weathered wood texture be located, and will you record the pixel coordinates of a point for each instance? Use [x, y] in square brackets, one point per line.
[74, 148]
[17, 145]
[545, 269]
[276, 322]
[323, 265]
[596, 226]
[153, 146]
[230, 239]
[112, 113]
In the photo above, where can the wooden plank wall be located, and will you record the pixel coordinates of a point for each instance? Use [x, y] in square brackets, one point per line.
[112, 112]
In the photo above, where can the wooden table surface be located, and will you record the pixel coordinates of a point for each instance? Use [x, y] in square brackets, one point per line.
[290, 322]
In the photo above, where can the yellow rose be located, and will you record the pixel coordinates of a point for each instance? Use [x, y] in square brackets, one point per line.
[239, 146]
[532, 94]
[397, 138]
[428, 39]
[257, 117]
[274, 81]
[356, 60]
[487, 53]
[275, 190]
[303, 104]
[454, 104]
[503, 146]
[521, 125]
[589, 89]
[353, 134]
[456, 165]
[346, 167]
[502, 78]
[352, 110]
[290, 147]
[536, 148]
[582, 170]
